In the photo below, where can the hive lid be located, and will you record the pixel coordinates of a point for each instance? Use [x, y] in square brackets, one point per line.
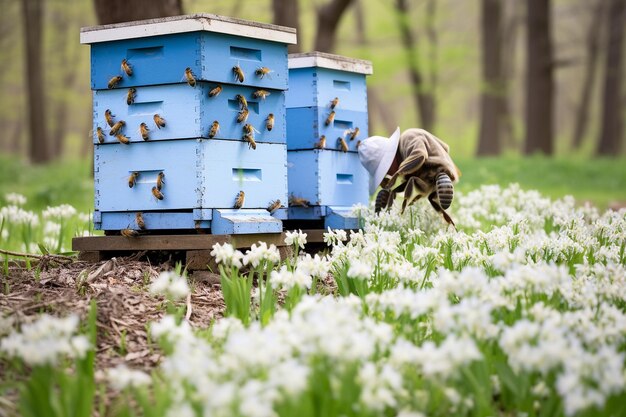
[330, 61]
[187, 23]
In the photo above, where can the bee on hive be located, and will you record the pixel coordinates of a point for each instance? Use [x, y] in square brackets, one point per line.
[242, 101]
[298, 201]
[160, 180]
[216, 91]
[238, 72]
[126, 67]
[191, 80]
[239, 200]
[321, 144]
[250, 139]
[114, 81]
[269, 121]
[274, 205]
[122, 139]
[330, 118]
[242, 115]
[215, 127]
[157, 194]
[108, 116]
[144, 131]
[100, 134]
[130, 96]
[129, 233]
[132, 179]
[354, 133]
[262, 94]
[159, 121]
[334, 102]
[342, 144]
[139, 220]
[261, 72]
[117, 127]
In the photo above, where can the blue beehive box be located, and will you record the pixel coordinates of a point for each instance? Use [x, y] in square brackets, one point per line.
[330, 178]
[176, 66]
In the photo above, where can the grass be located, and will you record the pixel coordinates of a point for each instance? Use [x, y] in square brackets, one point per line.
[600, 181]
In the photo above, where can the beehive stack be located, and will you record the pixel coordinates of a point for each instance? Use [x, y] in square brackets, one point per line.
[326, 120]
[192, 72]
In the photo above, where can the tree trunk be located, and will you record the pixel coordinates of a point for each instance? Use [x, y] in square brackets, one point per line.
[512, 23]
[612, 110]
[423, 100]
[33, 30]
[491, 102]
[328, 17]
[117, 11]
[589, 77]
[287, 13]
[539, 79]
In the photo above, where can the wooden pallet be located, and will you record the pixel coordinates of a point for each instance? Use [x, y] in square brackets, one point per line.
[197, 248]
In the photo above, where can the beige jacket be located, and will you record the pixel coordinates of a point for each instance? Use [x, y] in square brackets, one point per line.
[418, 141]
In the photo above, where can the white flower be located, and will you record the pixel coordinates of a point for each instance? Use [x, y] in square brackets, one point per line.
[15, 199]
[314, 266]
[170, 284]
[335, 237]
[359, 270]
[295, 238]
[64, 211]
[227, 255]
[257, 254]
[121, 377]
[287, 279]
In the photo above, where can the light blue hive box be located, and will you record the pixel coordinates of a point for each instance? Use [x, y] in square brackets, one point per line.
[202, 175]
[331, 180]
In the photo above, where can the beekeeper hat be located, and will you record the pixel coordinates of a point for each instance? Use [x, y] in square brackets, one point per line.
[376, 154]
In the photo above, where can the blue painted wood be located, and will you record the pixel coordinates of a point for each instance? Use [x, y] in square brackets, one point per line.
[244, 221]
[189, 112]
[327, 178]
[154, 220]
[306, 213]
[305, 126]
[341, 218]
[316, 87]
[199, 174]
[211, 57]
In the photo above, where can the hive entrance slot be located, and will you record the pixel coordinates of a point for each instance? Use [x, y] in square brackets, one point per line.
[145, 53]
[247, 174]
[147, 177]
[234, 104]
[245, 53]
[345, 178]
[341, 85]
[342, 124]
[147, 107]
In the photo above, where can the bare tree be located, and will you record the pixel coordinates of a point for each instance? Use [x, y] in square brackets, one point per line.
[287, 13]
[32, 11]
[589, 77]
[514, 19]
[117, 11]
[328, 17]
[424, 100]
[491, 103]
[613, 102]
[539, 79]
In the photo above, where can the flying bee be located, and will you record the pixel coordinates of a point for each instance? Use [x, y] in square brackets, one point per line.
[242, 116]
[139, 220]
[354, 133]
[132, 179]
[274, 205]
[334, 102]
[298, 201]
[250, 139]
[157, 194]
[114, 81]
[269, 121]
[262, 94]
[109, 117]
[358, 143]
[242, 101]
[215, 127]
[122, 139]
[216, 91]
[191, 80]
[144, 131]
[100, 134]
[126, 67]
[160, 180]
[159, 121]
[116, 128]
[129, 233]
[239, 200]
[262, 71]
[130, 96]
[238, 73]
[342, 144]
[330, 118]
[321, 144]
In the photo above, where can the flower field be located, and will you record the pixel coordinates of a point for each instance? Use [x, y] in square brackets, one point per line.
[521, 312]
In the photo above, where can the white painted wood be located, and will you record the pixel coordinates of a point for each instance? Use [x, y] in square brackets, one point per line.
[330, 61]
[188, 23]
